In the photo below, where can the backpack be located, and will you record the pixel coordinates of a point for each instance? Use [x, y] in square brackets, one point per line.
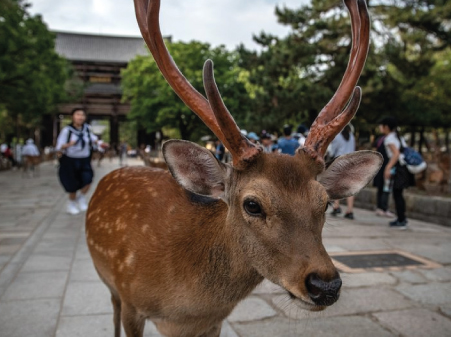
[411, 159]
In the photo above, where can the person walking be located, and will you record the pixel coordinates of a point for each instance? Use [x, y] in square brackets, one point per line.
[75, 143]
[398, 175]
[31, 157]
[342, 144]
[30, 149]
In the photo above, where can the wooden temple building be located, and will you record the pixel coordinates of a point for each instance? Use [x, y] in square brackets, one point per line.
[98, 61]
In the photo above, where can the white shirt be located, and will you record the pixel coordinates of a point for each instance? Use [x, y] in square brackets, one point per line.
[77, 150]
[341, 146]
[30, 150]
[301, 140]
[392, 138]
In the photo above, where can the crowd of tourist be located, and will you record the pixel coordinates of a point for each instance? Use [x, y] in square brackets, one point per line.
[76, 142]
[393, 177]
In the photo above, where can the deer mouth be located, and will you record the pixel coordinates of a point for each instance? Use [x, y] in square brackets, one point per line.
[308, 305]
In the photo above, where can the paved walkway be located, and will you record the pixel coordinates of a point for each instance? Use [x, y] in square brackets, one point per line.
[48, 286]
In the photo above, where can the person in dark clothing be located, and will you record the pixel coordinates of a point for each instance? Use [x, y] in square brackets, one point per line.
[399, 176]
[383, 191]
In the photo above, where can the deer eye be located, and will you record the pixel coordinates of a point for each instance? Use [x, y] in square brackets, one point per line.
[252, 208]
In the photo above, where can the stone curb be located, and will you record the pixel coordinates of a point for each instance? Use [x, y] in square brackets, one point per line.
[422, 207]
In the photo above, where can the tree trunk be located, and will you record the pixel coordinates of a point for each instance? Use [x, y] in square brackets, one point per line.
[412, 136]
[423, 141]
[420, 145]
[448, 150]
[184, 134]
[447, 140]
[17, 128]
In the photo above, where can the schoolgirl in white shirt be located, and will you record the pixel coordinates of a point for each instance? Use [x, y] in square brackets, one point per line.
[75, 142]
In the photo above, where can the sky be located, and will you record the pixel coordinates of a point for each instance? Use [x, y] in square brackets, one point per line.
[229, 22]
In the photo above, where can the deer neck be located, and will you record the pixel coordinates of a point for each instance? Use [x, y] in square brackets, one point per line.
[223, 269]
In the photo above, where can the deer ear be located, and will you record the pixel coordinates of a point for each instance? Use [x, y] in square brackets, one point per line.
[194, 167]
[349, 173]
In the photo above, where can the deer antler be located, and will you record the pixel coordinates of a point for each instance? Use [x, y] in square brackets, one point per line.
[214, 114]
[332, 118]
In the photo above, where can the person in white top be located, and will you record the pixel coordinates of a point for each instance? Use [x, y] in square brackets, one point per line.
[342, 144]
[30, 149]
[397, 174]
[75, 143]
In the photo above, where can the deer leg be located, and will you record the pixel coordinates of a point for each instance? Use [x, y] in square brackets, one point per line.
[132, 322]
[116, 315]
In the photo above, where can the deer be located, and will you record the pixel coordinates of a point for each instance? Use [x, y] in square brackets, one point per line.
[182, 247]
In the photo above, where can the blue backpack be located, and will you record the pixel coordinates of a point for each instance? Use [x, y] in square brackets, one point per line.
[412, 157]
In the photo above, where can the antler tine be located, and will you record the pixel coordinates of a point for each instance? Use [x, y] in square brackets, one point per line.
[241, 148]
[331, 120]
[147, 15]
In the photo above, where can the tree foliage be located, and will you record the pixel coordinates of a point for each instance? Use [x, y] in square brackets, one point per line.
[295, 76]
[417, 43]
[155, 105]
[32, 75]
[290, 79]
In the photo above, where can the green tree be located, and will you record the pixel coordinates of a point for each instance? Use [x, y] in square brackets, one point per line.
[416, 33]
[294, 77]
[155, 105]
[32, 75]
[298, 74]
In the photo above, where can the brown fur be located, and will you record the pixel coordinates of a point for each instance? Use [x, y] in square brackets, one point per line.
[185, 264]
[31, 165]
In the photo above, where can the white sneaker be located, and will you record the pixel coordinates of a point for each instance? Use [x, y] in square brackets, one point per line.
[82, 203]
[72, 208]
[380, 212]
[389, 214]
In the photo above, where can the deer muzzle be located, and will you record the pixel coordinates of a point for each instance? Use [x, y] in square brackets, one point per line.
[321, 292]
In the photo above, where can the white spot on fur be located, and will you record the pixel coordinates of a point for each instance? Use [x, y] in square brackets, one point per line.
[112, 253]
[129, 259]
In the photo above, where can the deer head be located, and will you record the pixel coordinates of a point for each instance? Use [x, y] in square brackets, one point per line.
[276, 203]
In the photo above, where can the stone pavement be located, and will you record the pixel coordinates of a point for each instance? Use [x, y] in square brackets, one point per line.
[48, 286]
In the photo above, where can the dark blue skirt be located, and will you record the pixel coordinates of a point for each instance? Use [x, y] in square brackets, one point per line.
[75, 173]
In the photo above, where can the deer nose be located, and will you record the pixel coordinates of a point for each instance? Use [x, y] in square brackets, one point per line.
[323, 292]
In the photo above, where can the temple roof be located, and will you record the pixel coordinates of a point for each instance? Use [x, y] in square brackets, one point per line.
[99, 48]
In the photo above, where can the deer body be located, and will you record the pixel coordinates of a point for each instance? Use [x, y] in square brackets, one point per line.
[184, 260]
[183, 269]
[183, 247]
[192, 266]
